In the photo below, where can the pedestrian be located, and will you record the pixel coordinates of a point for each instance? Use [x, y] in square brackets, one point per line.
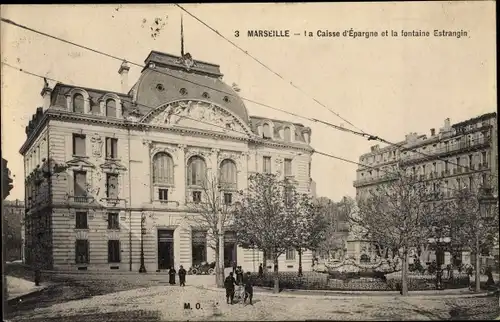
[248, 289]
[239, 275]
[229, 284]
[182, 276]
[234, 267]
[469, 273]
[448, 268]
[171, 276]
[261, 270]
[489, 273]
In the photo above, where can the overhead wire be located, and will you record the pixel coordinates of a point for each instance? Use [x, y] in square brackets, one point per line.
[340, 128]
[219, 126]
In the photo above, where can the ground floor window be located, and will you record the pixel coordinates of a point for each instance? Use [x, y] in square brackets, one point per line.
[290, 254]
[113, 251]
[82, 251]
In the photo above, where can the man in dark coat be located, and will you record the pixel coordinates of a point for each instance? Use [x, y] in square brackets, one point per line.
[239, 275]
[182, 276]
[248, 288]
[261, 270]
[171, 276]
[229, 284]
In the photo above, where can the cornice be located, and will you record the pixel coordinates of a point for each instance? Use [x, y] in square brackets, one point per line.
[127, 124]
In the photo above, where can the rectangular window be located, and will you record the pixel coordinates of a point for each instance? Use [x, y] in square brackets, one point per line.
[81, 220]
[80, 184]
[290, 254]
[196, 196]
[111, 186]
[228, 198]
[267, 164]
[288, 167]
[79, 145]
[288, 195]
[470, 183]
[484, 158]
[163, 194]
[483, 179]
[113, 221]
[470, 161]
[269, 255]
[82, 251]
[111, 148]
[113, 251]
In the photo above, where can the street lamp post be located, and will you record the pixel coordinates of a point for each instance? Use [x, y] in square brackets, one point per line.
[142, 268]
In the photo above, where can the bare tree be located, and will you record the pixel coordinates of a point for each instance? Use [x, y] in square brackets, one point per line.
[477, 220]
[263, 220]
[397, 217]
[214, 214]
[310, 225]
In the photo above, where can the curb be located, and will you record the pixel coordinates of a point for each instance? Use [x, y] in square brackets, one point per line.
[25, 295]
[339, 295]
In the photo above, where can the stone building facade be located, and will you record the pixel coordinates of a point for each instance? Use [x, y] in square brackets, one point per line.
[106, 170]
[464, 154]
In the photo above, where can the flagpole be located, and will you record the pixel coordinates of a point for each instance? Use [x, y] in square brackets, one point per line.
[182, 38]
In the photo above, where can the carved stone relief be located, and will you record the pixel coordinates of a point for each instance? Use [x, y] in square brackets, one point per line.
[172, 150]
[205, 153]
[97, 144]
[279, 165]
[205, 112]
[237, 157]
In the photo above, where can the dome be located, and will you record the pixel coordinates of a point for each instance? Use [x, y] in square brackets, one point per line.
[168, 78]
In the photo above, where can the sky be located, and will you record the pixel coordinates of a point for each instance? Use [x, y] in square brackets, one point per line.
[387, 86]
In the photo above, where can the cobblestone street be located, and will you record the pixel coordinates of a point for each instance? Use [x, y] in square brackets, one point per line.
[101, 297]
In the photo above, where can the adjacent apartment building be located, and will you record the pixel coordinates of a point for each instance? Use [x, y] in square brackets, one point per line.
[105, 171]
[12, 216]
[464, 154]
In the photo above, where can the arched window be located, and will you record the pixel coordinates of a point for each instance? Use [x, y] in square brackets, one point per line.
[196, 171]
[287, 134]
[228, 174]
[163, 168]
[266, 131]
[111, 107]
[78, 103]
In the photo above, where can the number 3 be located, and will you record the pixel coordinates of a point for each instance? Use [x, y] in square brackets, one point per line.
[237, 33]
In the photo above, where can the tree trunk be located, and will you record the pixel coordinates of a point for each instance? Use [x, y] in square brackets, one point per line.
[219, 271]
[300, 261]
[478, 267]
[276, 277]
[404, 272]
[264, 261]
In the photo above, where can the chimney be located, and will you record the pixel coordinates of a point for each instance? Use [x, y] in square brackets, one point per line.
[447, 124]
[433, 132]
[47, 95]
[123, 71]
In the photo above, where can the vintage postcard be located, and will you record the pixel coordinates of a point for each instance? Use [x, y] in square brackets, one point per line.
[250, 161]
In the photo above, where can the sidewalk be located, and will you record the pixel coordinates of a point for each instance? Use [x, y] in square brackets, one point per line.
[19, 288]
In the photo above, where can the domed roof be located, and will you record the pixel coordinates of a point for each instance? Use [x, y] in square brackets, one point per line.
[168, 78]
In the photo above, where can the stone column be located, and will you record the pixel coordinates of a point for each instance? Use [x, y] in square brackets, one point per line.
[180, 174]
[148, 144]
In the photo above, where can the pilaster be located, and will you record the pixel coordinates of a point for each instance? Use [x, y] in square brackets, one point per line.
[180, 174]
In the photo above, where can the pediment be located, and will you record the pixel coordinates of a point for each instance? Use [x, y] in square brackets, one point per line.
[113, 165]
[79, 163]
[199, 115]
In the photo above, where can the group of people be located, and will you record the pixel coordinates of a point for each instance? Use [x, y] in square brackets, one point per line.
[243, 281]
[182, 276]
